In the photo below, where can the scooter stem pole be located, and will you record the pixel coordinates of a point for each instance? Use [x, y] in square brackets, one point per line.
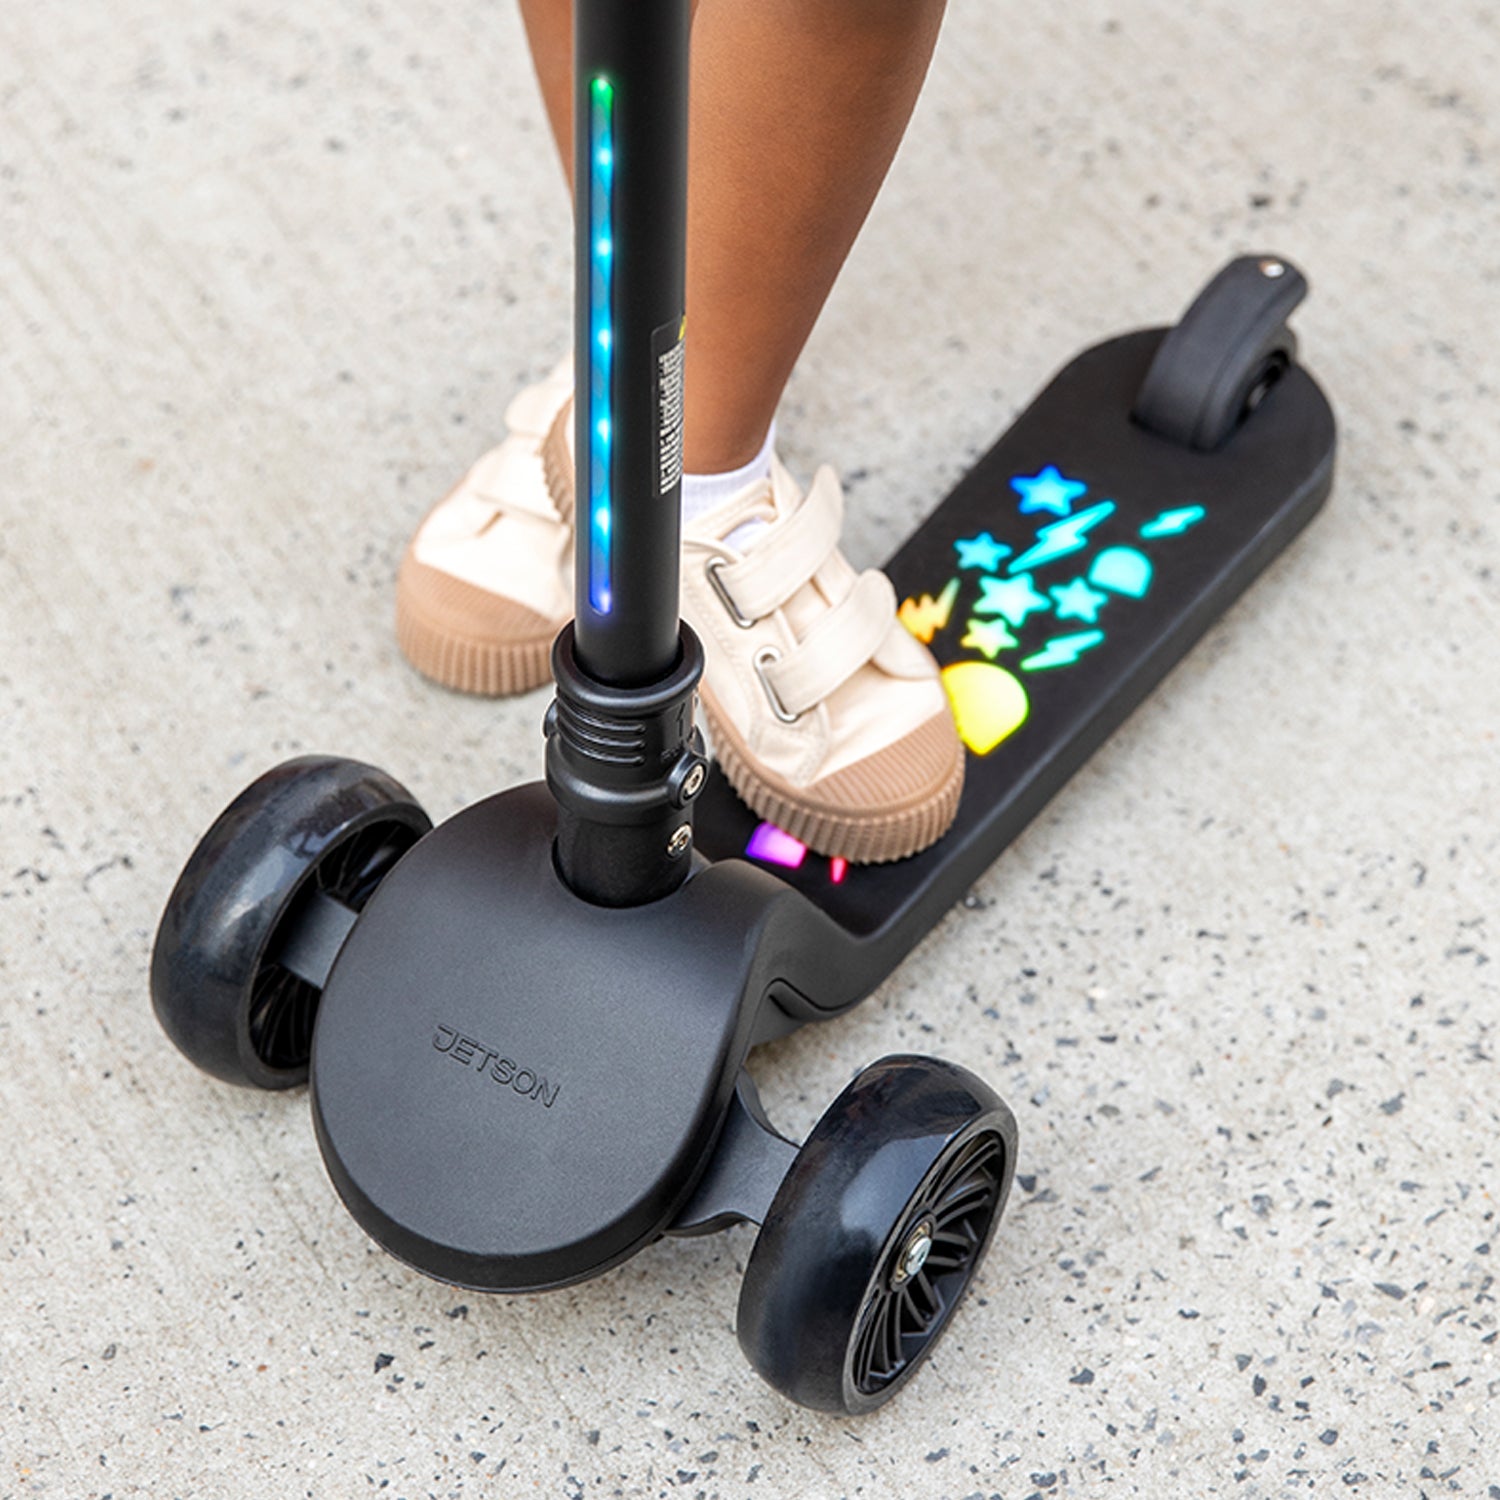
[624, 761]
[630, 204]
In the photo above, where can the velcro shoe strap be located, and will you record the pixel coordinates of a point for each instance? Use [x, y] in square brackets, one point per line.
[788, 553]
[522, 476]
[836, 647]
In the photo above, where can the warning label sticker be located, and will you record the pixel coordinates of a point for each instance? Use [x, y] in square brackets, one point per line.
[667, 350]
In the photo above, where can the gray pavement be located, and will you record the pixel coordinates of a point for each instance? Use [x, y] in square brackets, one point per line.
[268, 276]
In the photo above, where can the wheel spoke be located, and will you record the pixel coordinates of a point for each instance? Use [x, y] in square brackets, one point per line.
[960, 1233]
[945, 1260]
[921, 1317]
[967, 1162]
[353, 869]
[281, 1018]
[963, 1201]
[891, 1316]
[864, 1350]
[931, 1291]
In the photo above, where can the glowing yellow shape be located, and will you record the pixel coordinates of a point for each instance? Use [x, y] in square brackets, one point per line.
[989, 704]
[990, 636]
[926, 616]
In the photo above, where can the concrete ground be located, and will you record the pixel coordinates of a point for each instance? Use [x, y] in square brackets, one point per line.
[268, 276]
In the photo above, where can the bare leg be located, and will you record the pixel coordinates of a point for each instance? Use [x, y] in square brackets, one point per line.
[797, 109]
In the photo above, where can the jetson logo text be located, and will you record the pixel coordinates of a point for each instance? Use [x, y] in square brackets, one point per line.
[464, 1049]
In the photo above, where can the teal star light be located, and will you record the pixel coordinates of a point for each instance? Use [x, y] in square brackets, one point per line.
[1077, 601]
[1049, 490]
[982, 552]
[1015, 598]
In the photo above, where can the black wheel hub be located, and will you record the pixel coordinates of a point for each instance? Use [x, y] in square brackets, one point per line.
[916, 1288]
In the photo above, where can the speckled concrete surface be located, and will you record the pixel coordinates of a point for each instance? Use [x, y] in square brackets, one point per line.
[268, 275]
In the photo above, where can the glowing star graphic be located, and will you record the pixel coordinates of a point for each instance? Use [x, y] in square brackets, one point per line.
[1062, 651]
[990, 636]
[1077, 601]
[1173, 522]
[1122, 570]
[776, 847]
[982, 552]
[926, 616]
[1015, 598]
[989, 704]
[1048, 490]
[1063, 537]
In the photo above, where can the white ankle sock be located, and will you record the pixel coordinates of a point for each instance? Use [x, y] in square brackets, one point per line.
[702, 492]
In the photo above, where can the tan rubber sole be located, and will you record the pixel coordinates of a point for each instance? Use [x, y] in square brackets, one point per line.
[467, 639]
[473, 642]
[834, 817]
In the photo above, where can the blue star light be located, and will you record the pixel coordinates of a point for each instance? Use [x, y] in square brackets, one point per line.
[982, 552]
[1015, 598]
[1077, 601]
[1048, 490]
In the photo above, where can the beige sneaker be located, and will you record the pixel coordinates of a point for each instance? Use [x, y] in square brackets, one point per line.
[487, 580]
[827, 717]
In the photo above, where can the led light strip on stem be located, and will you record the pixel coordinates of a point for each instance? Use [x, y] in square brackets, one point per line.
[601, 345]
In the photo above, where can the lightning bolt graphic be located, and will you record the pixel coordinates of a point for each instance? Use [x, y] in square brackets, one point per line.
[1173, 522]
[1062, 650]
[926, 616]
[1062, 537]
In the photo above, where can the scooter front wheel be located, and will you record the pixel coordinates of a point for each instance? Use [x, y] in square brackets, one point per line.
[876, 1232]
[260, 906]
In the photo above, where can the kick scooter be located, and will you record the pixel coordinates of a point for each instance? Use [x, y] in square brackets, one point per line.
[526, 1030]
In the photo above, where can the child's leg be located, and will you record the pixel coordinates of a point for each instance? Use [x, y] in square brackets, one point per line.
[826, 716]
[797, 108]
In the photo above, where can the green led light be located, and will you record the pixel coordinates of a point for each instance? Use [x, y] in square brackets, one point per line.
[601, 346]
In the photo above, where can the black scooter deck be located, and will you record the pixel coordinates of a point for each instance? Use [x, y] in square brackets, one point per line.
[1057, 584]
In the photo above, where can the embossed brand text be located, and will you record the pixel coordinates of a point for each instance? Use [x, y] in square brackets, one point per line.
[491, 1064]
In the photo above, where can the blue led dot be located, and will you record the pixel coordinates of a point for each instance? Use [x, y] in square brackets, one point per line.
[604, 248]
[604, 338]
[602, 428]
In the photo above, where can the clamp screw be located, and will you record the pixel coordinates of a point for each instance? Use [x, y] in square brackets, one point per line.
[682, 836]
[695, 779]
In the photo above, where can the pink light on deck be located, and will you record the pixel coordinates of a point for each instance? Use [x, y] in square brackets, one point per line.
[838, 867]
[776, 847]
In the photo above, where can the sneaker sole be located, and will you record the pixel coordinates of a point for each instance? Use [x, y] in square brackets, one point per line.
[838, 828]
[467, 639]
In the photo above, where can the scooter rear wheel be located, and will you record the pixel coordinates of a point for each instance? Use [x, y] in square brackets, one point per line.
[1224, 355]
[315, 827]
[875, 1233]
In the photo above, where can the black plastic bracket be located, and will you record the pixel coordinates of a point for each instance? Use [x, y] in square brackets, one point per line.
[625, 765]
[748, 1166]
[312, 939]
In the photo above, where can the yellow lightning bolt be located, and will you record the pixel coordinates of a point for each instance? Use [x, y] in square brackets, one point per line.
[926, 616]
